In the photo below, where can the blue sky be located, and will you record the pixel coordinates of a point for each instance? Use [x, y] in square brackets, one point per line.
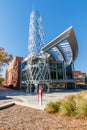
[57, 15]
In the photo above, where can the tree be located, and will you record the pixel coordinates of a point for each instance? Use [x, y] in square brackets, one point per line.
[1, 80]
[5, 58]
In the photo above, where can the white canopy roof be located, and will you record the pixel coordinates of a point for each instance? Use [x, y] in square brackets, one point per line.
[64, 47]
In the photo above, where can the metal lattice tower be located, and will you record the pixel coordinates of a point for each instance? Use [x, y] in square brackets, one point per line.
[36, 70]
[35, 40]
[36, 34]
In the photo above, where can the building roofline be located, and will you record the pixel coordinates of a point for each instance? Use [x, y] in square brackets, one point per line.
[68, 35]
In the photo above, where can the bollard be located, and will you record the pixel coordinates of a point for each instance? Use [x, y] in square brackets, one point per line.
[40, 95]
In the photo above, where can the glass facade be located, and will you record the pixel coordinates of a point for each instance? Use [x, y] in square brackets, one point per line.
[69, 72]
[56, 70]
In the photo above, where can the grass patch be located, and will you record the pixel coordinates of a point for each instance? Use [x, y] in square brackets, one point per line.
[73, 105]
[68, 107]
[53, 107]
[82, 108]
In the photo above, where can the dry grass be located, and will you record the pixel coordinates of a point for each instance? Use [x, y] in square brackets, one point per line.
[73, 105]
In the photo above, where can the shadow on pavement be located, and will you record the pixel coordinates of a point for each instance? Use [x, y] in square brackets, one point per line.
[5, 98]
[12, 92]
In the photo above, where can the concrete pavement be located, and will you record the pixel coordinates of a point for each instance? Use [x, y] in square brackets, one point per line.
[20, 97]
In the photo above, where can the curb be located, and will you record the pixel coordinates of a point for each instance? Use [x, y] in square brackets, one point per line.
[7, 105]
[30, 105]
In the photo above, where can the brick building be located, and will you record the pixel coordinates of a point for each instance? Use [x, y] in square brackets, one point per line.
[12, 78]
[80, 77]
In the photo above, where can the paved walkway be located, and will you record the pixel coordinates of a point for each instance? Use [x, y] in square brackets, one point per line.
[31, 100]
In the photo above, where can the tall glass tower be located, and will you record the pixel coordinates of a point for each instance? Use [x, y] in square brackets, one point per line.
[36, 34]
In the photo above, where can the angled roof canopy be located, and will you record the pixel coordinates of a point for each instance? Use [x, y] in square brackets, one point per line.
[64, 47]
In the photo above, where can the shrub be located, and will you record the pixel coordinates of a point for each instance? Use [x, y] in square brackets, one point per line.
[53, 107]
[72, 105]
[68, 108]
[81, 108]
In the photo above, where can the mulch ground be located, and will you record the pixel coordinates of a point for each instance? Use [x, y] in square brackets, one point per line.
[25, 118]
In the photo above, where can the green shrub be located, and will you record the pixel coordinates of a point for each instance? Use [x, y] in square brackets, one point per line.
[72, 105]
[68, 108]
[53, 107]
